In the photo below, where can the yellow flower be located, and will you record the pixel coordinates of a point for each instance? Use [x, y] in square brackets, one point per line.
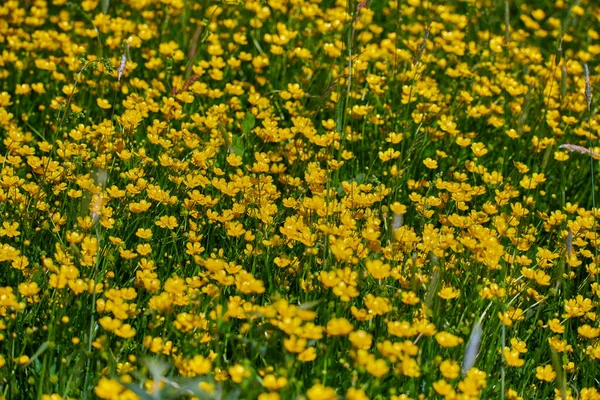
[389, 154]
[398, 208]
[449, 369]
[167, 222]
[555, 326]
[234, 228]
[410, 298]
[320, 392]
[125, 331]
[559, 345]
[116, 240]
[512, 357]
[127, 254]
[409, 367]
[144, 249]
[401, 328]
[361, 339]
[518, 345]
[588, 332]
[479, 149]
[377, 368]
[198, 365]
[511, 315]
[463, 141]
[446, 339]
[269, 396]
[443, 388]
[237, 373]
[109, 323]
[378, 269]
[339, 327]
[561, 156]
[307, 355]
[103, 103]
[272, 382]
[356, 394]
[294, 345]
[234, 160]
[449, 292]
[545, 373]
[377, 305]
[429, 163]
[140, 207]
[143, 233]
[108, 388]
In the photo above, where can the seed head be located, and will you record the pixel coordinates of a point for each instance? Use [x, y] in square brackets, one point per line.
[588, 87]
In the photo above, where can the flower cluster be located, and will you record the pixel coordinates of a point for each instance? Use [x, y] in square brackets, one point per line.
[318, 198]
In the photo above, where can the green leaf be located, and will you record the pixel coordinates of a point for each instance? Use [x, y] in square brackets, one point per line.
[237, 145]
[309, 304]
[38, 353]
[248, 123]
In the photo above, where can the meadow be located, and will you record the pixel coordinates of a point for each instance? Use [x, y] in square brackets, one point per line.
[302, 199]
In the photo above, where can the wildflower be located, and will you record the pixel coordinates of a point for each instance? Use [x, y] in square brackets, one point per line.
[401, 328]
[294, 345]
[108, 388]
[269, 396]
[237, 373]
[518, 345]
[143, 233]
[320, 392]
[511, 357]
[198, 365]
[377, 368]
[339, 327]
[235, 229]
[103, 103]
[410, 298]
[167, 222]
[429, 163]
[234, 160]
[125, 331]
[272, 382]
[446, 339]
[448, 292]
[545, 373]
[398, 208]
[140, 207]
[559, 345]
[511, 315]
[356, 394]
[377, 305]
[10, 229]
[443, 388]
[449, 369]
[479, 149]
[361, 339]
[409, 367]
[556, 326]
[588, 332]
[307, 355]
